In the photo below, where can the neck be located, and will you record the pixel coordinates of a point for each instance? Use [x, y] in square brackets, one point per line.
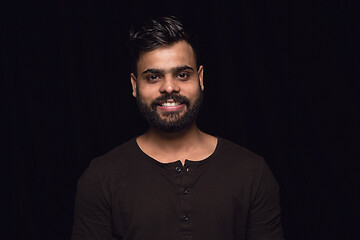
[173, 140]
[189, 143]
[184, 135]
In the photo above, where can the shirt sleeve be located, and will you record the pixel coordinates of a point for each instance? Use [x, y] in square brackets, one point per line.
[264, 217]
[92, 214]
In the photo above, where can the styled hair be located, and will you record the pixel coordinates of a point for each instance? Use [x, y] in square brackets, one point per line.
[155, 33]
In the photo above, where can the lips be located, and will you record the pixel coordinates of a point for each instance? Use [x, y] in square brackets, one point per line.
[171, 106]
[170, 103]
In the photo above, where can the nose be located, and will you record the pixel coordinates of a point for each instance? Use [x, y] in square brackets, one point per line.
[169, 86]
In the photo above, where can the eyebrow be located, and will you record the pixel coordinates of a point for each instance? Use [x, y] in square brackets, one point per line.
[174, 69]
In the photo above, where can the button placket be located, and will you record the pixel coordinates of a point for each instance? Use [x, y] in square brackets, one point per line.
[185, 202]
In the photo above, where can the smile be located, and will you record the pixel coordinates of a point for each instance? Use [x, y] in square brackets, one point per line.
[170, 104]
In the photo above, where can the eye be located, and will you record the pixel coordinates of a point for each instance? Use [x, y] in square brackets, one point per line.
[183, 76]
[152, 78]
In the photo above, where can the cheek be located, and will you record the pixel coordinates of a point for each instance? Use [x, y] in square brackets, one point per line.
[194, 91]
[147, 93]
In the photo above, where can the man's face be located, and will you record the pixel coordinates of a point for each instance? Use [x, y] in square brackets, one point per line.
[168, 87]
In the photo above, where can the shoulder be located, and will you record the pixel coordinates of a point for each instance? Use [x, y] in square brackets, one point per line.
[242, 161]
[115, 162]
[239, 161]
[117, 155]
[236, 153]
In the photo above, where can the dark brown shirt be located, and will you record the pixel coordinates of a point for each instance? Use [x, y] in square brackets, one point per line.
[126, 194]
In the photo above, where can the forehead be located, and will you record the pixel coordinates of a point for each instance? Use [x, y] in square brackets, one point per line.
[167, 57]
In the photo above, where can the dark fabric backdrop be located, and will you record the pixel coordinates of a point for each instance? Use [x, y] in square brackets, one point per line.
[281, 78]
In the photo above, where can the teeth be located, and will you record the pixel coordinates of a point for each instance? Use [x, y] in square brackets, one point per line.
[171, 104]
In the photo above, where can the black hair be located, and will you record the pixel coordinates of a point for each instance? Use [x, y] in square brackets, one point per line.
[155, 33]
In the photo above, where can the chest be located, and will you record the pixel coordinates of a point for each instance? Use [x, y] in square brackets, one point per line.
[180, 198]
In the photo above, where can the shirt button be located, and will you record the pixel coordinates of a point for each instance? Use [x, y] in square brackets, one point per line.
[187, 169]
[186, 191]
[186, 218]
[178, 169]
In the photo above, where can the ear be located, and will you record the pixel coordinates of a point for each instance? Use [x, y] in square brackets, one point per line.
[133, 84]
[201, 76]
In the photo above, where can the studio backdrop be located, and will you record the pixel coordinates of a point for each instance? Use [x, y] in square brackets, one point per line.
[281, 79]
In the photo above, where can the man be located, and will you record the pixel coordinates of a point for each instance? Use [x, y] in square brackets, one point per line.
[174, 181]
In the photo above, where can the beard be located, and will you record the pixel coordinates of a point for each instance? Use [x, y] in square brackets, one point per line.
[170, 121]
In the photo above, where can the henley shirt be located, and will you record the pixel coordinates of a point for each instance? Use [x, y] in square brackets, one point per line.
[126, 194]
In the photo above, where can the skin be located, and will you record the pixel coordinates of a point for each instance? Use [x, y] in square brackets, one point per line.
[165, 70]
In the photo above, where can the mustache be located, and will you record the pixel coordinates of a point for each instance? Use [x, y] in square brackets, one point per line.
[176, 97]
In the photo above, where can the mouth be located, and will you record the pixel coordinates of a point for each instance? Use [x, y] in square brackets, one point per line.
[170, 103]
[171, 106]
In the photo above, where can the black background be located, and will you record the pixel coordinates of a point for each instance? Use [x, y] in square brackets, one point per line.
[281, 78]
